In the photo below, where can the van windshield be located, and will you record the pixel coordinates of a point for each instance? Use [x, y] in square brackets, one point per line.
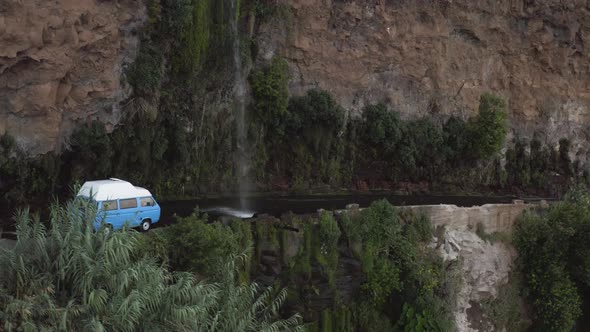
[147, 201]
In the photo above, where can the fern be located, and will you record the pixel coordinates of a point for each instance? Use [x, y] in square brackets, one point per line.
[67, 277]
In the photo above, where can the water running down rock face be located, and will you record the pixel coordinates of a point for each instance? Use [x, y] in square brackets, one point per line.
[242, 158]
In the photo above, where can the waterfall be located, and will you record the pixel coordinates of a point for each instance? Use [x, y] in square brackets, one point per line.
[243, 158]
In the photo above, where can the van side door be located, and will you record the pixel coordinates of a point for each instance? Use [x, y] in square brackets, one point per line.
[109, 210]
[128, 212]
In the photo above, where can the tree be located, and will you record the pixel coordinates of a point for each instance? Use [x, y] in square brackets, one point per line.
[70, 278]
[247, 307]
[552, 257]
[424, 140]
[488, 130]
[390, 244]
[518, 163]
[316, 118]
[91, 151]
[196, 246]
[382, 127]
[271, 93]
[456, 140]
[539, 162]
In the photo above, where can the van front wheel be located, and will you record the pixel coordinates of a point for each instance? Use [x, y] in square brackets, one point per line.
[145, 225]
[108, 228]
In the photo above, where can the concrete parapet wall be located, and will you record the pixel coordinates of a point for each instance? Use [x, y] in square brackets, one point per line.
[494, 217]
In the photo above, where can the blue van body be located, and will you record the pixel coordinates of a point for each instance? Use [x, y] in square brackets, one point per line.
[119, 214]
[119, 203]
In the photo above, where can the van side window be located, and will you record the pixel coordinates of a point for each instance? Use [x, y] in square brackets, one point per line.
[109, 205]
[147, 201]
[128, 203]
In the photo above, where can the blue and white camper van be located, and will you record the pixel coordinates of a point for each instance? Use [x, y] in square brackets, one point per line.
[120, 202]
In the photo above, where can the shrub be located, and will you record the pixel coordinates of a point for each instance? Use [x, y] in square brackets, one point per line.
[417, 227]
[382, 280]
[180, 18]
[271, 94]
[557, 306]
[190, 22]
[23, 177]
[488, 130]
[398, 268]
[382, 127]
[146, 72]
[421, 150]
[268, 9]
[412, 320]
[504, 311]
[539, 163]
[90, 152]
[329, 234]
[518, 164]
[317, 108]
[198, 246]
[456, 140]
[71, 278]
[329, 230]
[553, 260]
[316, 119]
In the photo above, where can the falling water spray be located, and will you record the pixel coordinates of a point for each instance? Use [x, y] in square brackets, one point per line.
[242, 160]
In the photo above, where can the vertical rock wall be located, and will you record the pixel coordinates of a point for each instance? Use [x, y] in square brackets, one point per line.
[437, 57]
[61, 63]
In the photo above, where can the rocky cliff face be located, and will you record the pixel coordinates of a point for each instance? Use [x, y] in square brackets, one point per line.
[430, 57]
[486, 266]
[61, 63]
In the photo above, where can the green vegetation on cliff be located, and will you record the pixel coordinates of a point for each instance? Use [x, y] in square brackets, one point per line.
[70, 278]
[323, 149]
[488, 130]
[366, 271]
[553, 258]
[177, 133]
[534, 165]
[271, 95]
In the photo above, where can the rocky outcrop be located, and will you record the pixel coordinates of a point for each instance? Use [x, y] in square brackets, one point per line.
[61, 64]
[485, 268]
[485, 265]
[438, 57]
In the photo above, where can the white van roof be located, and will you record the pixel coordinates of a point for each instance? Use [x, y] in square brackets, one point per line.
[103, 190]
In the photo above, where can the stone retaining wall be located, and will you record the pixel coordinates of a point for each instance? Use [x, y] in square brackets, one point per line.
[494, 217]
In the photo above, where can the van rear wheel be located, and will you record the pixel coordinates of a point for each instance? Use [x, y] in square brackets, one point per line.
[146, 224]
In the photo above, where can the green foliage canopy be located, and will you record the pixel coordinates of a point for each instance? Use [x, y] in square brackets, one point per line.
[197, 246]
[396, 266]
[271, 94]
[382, 127]
[70, 278]
[488, 130]
[553, 253]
